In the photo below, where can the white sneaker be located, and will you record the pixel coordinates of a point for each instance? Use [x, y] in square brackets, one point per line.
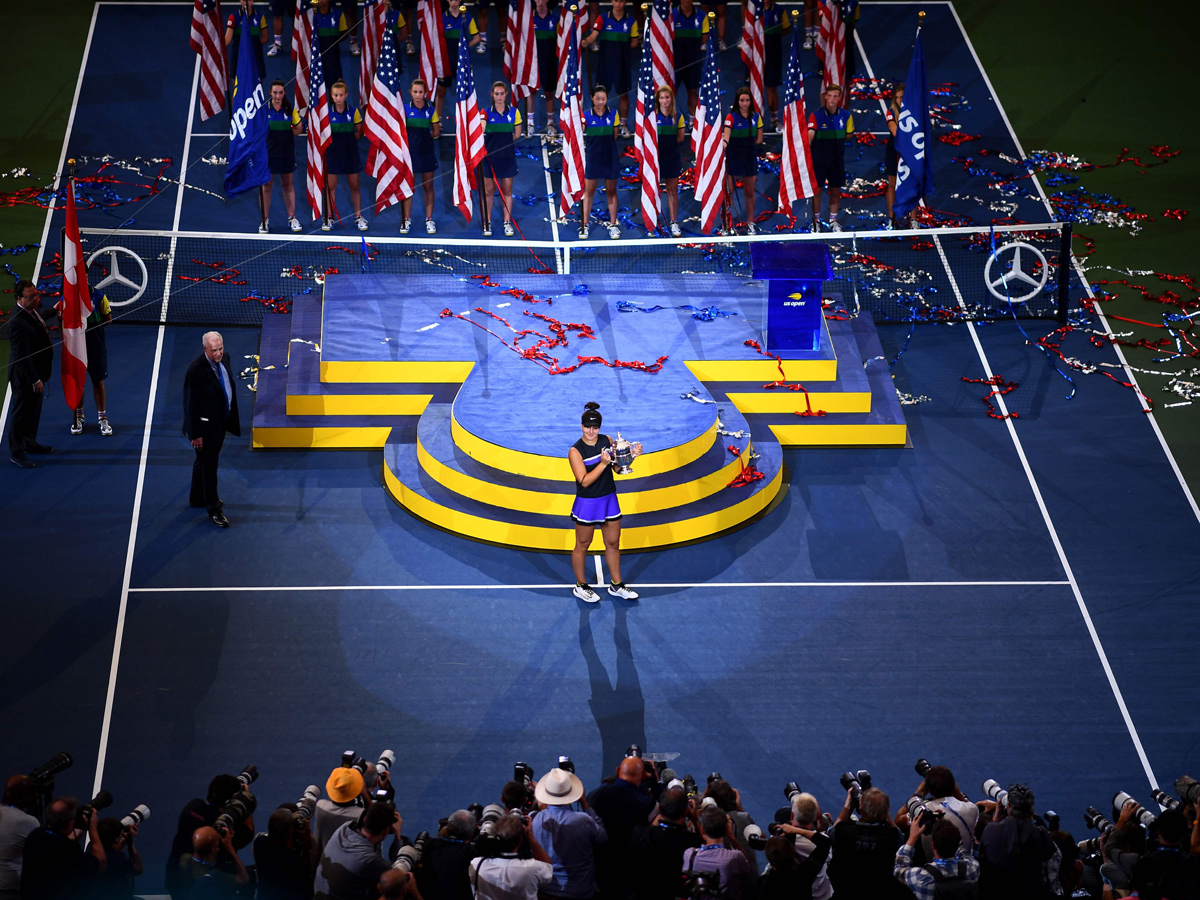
[834, 226]
[409, 49]
[508, 229]
[614, 232]
[405, 224]
[551, 131]
[481, 47]
[583, 231]
[105, 428]
[327, 224]
[624, 131]
[816, 226]
[264, 226]
[722, 46]
[361, 223]
[355, 50]
[619, 590]
[487, 229]
[675, 230]
[77, 425]
[273, 50]
[808, 42]
[751, 228]
[585, 593]
[294, 224]
[430, 226]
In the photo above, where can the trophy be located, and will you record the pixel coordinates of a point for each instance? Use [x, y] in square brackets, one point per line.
[622, 456]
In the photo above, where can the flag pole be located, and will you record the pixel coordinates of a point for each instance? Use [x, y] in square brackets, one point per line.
[920, 21]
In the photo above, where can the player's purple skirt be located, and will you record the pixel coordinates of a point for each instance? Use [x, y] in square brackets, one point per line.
[596, 510]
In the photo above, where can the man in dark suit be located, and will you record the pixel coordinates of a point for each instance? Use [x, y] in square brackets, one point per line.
[209, 411]
[30, 362]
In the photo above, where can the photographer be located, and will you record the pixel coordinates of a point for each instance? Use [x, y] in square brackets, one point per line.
[621, 805]
[54, 865]
[116, 881]
[952, 861]
[212, 869]
[507, 876]
[200, 813]
[864, 851]
[727, 798]
[443, 872]
[806, 816]
[15, 826]
[352, 861]
[1176, 871]
[940, 791]
[283, 857]
[570, 838]
[1121, 848]
[347, 794]
[720, 853]
[789, 877]
[657, 848]
[1017, 858]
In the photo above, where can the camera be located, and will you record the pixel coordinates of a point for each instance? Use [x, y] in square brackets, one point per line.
[351, 760]
[1143, 815]
[386, 760]
[921, 814]
[44, 774]
[703, 885]
[240, 807]
[409, 856]
[1093, 818]
[633, 750]
[248, 776]
[856, 783]
[1053, 820]
[1186, 787]
[305, 806]
[139, 815]
[564, 763]
[994, 792]
[1090, 847]
[488, 816]
[1163, 799]
[102, 800]
[689, 785]
[714, 776]
[754, 837]
[923, 767]
[790, 790]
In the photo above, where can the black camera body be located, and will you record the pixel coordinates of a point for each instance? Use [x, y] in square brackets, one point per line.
[102, 800]
[856, 783]
[922, 767]
[239, 807]
[923, 815]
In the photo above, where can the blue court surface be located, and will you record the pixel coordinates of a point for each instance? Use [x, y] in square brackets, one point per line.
[1012, 598]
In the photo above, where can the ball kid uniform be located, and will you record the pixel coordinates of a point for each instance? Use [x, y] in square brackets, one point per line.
[670, 163]
[741, 158]
[419, 122]
[545, 36]
[455, 28]
[342, 156]
[891, 156]
[600, 144]
[829, 145]
[330, 27]
[257, 27]
[95, 340]
[498, 129]
[616, 56]
[281, 143]
[776, 23]
[596, 503]
[689, 35]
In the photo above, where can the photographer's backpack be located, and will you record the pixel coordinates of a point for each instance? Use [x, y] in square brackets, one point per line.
[957, 887]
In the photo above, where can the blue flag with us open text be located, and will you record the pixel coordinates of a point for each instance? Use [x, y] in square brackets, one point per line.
[914, 171]
[247, 167]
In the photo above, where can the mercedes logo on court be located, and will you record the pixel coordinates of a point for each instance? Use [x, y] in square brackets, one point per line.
[1002, 285]
[114, 273]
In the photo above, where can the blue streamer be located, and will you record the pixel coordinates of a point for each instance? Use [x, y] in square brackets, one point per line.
[703, 313]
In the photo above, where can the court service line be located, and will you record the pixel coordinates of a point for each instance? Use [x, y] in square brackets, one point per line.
[1062, 556]
[141, 477]
[62, 161]
[664, 585]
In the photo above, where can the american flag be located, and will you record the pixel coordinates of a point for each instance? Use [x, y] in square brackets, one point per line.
[571, 121]
[374, 22]
[796, 179]
[645, 139]
[208, 39]
[831, 47]
[753, 50]
[434, 64]
[520, 50]
[662, 43]
[389, 163]
[302, 50]
[319, 134]
[706, 139]
[572, 19]
[468, 131]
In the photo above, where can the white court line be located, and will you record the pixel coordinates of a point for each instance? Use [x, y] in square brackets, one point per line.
[664, 585]
[146, 430]
[62, 161]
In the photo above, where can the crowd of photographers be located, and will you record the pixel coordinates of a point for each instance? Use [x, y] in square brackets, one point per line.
[644, 833]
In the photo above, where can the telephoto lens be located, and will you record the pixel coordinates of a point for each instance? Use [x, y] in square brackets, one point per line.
[754, 837]
[851, 784]
[923, 767]
[102, 800]
[1163, 799]
[790, 790]
[992, 788]
[689, 785]
[386, 760]
[1187, 788]
[633, 750]
[491, 814]
[47, 770]
[1093, 818]
[139, 815]
[864, 779]
[1089, 847]
[1053, 820]
[564, 763]
[523, 772]
[920, 813]
[410, 856]
[306, 805]
[1143, 815]
[240, 807]
[714, 776]
[248, 776]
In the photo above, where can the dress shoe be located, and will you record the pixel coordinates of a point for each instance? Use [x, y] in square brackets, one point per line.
[218, 519]
[39, 448]
[24, 462]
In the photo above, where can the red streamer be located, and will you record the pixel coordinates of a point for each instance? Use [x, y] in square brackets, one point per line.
[1001, 387]
[782, 382]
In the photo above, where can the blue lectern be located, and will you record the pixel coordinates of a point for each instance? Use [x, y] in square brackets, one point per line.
[794, 273]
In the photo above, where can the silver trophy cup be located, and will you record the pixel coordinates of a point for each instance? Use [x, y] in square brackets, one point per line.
[622, 456]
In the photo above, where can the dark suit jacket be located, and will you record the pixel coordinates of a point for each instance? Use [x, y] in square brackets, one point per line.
[31, 358]
[204, 414]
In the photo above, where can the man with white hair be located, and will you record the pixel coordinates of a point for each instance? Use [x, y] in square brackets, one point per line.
[210, 410]
[806, 815]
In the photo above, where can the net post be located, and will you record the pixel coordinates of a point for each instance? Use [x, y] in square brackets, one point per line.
[567, 259]
[1064, 272]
